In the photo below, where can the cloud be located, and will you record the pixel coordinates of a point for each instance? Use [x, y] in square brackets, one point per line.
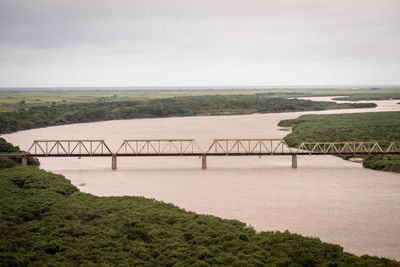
[220, 41]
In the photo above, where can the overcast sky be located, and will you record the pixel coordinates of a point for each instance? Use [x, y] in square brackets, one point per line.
[199, 42]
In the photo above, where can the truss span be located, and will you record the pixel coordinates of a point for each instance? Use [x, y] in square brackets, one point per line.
[244, 147]
[159, 147]
[61, 148]
[339, 148]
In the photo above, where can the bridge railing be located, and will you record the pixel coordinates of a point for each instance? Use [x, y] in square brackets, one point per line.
[69, 148]
[254, 146]
[159, 147]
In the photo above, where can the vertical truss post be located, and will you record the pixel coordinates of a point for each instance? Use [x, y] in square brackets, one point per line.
[294, 161]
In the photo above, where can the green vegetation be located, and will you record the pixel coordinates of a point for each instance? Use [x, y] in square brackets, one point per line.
[6, 147]
[377, 163]
[44, 220]
[15, 100]
[58, 114]
[382, 127]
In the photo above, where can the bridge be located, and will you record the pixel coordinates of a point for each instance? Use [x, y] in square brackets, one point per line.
[189, 147]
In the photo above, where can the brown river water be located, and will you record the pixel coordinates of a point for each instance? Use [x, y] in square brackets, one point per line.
[336, 200]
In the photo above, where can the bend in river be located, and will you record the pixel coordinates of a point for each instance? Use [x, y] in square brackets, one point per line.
[326, 197]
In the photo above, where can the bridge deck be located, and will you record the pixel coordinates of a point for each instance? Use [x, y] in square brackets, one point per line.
[198, 154]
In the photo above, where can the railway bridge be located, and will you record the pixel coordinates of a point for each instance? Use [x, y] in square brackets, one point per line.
[189, 148]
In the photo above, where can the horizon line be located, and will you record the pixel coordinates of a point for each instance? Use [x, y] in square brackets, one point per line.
[332, 86]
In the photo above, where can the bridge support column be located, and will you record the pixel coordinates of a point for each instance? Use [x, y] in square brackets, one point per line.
[384, 157]
[204, 162]
[294, 161]
[114, 162]
[24, 161]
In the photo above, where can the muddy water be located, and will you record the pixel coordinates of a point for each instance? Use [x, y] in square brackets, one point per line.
[326, 197]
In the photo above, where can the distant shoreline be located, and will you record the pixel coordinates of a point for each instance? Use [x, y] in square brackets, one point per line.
[184, 88]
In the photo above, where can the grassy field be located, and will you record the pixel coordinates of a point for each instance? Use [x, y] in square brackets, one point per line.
[382, 127]
[13, 100]
[46, 221]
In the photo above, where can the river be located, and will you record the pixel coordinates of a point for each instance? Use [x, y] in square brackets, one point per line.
[336, 200]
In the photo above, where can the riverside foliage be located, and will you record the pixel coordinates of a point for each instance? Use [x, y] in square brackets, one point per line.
[58, 114]
[382, 127]
[44, 220]
[6, 147]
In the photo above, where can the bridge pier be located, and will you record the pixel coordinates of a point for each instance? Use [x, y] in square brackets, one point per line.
[114, 162]
[204, 162]
[294, 161]
[24, 161]
[384, 156]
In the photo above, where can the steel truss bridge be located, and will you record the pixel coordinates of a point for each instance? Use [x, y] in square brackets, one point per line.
[189, 147]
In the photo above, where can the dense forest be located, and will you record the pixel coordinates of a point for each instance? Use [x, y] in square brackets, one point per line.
[382, 127]
[44, 220]
[58, 114]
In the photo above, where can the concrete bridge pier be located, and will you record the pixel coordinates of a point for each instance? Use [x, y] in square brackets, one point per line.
[204, 162]
[384, 156]
[114, 162]
[294, 161]
[24, 161]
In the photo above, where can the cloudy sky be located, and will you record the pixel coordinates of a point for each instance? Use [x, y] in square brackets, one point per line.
[199, 42]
